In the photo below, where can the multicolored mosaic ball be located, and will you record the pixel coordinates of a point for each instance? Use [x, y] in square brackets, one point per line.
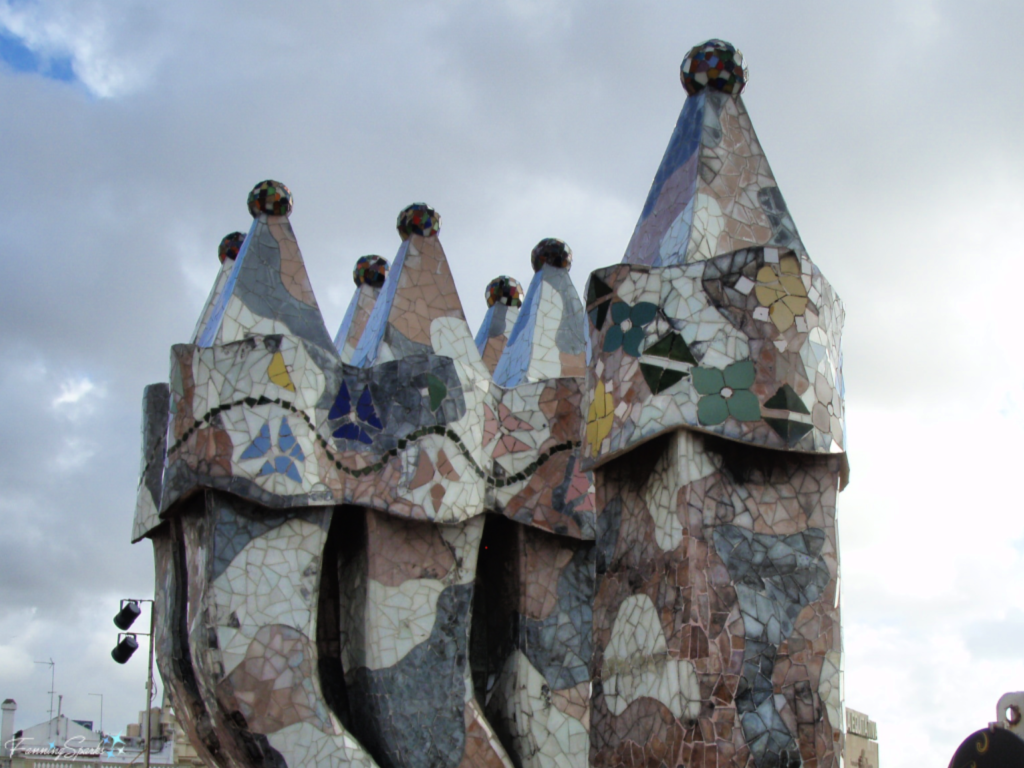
[551, 251]
[270, 197]
[418, 219]
[370, 270]
[717, 65]
[230, 246]
[504, 290]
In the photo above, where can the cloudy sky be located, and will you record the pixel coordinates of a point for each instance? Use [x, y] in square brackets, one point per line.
[131, 132]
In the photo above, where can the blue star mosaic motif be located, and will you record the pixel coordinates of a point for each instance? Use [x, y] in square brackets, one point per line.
[288, 446]
[365, 413]
[526, 527]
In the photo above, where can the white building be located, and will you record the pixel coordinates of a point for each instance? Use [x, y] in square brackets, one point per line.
[63, 743]
[861, 740]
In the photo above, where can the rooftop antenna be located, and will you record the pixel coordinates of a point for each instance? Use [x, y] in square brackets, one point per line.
[52, 686]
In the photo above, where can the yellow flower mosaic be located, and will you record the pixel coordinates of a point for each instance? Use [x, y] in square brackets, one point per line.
[599, 418]
[278, 372]
[781, 289]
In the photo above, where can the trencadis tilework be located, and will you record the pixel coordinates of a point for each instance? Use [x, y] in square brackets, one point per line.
[599, 532]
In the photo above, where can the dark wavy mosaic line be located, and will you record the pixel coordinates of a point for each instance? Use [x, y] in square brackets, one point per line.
[497, 482]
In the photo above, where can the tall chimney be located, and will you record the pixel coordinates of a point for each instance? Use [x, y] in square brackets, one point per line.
[7, 726]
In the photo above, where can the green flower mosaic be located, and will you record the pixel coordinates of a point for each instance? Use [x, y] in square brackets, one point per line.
[627, 330]
[726, 393]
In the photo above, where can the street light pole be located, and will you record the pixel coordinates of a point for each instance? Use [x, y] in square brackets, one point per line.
[149, 683]
[125, 648]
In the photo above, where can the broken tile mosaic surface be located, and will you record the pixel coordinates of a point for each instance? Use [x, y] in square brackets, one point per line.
[784, 388]
[715, 63]
[418, 310]
[714, 191]
[155, 406]
[410, 547]
[370, 270]
[227, 252]
[547, 341]
[553, 252]
[267, 290]
[407, 634]
[716, 615]
[717, 559]
[271, 198]
[230, 246]
[504, 297]
[369, 275]
[418, 219]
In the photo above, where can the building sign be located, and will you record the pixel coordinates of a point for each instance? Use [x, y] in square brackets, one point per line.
[860, 724]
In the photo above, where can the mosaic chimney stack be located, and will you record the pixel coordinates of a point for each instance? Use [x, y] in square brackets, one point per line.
[405, 583]
[227, 252]
[597, 534]
[715, 434]
[369, 274]
[504, 298]
[534, 619]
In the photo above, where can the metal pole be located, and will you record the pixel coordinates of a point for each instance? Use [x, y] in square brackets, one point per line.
[149, 676]
[101, 712]
[49, 727]
[149, 682]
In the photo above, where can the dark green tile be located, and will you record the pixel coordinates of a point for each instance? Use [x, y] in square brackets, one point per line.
[786, 399]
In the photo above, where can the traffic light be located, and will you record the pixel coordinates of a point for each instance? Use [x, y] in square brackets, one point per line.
[125, 648]
[129, 612]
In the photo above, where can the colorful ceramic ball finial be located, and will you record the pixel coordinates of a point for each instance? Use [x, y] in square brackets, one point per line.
[504, 290]
[270, 197]
[418, 219]
[230, 246]
[717, 65]
[553, 252]
[370, 270]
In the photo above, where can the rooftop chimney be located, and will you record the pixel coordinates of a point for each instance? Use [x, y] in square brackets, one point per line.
[7, 726]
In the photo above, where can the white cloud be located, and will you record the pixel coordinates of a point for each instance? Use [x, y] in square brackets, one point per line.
[74, 454]
[72, 392]
[931, 574]
[15, 661]
[111, 45]
[518, 121]
[78, 399]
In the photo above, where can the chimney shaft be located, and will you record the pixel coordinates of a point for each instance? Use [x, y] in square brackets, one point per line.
[7, 726]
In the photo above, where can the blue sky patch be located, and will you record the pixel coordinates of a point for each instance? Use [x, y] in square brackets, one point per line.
[19, 57]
